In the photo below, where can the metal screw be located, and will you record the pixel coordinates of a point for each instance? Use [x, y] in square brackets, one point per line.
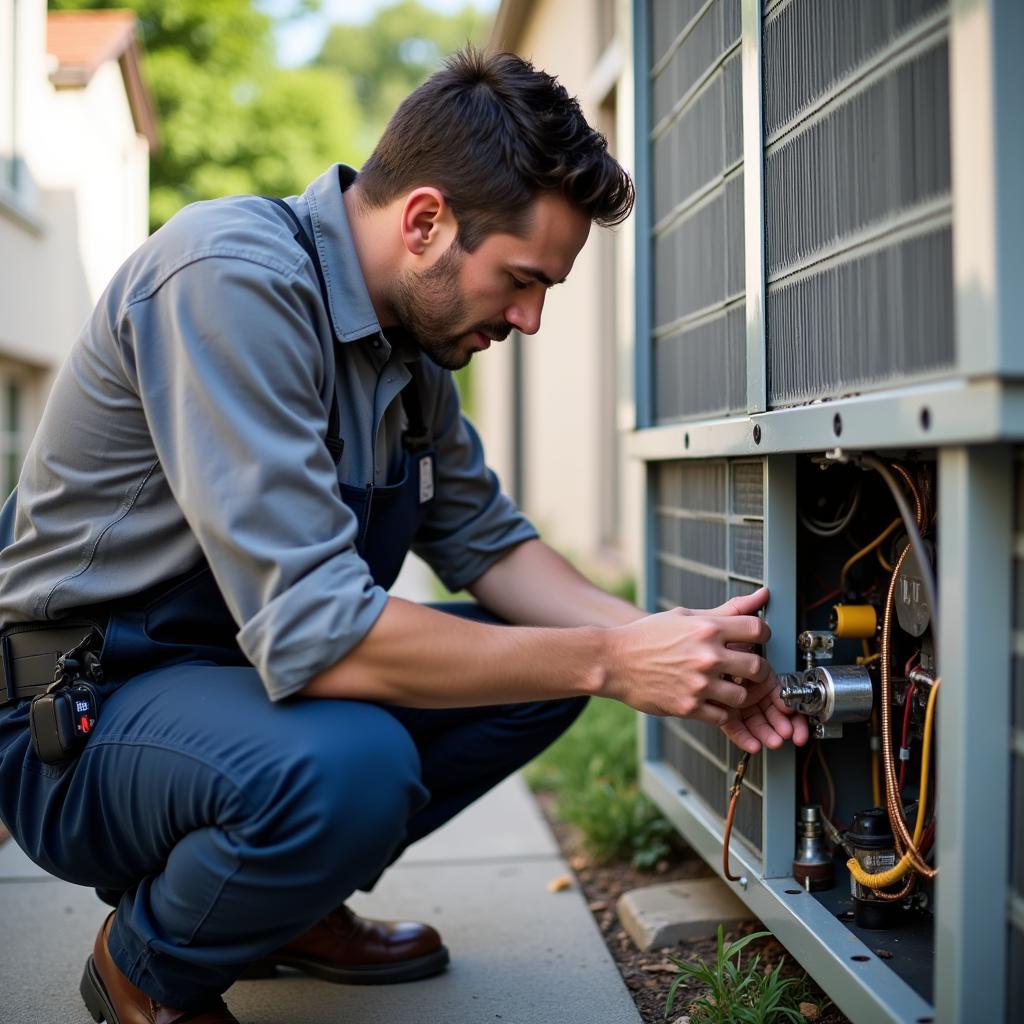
[757, 433]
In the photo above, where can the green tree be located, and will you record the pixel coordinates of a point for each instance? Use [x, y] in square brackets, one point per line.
[230, 120]
[388, 56]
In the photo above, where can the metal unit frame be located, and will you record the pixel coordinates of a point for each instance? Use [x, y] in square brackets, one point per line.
[976, 590]
[968, 416]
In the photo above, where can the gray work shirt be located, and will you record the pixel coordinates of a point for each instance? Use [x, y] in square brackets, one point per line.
[188, 422]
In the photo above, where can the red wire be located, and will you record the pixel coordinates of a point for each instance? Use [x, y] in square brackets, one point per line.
[823, 600]
[906, 732]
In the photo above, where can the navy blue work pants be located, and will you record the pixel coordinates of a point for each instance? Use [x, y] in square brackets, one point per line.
[228, 825]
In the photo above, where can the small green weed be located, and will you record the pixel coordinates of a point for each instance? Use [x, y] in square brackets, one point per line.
[737, 994]
[592, 770]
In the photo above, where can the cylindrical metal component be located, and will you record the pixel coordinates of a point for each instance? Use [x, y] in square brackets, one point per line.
[848, 693]
[838, 693]
[812, 865]
[871, 842]
[854, 621]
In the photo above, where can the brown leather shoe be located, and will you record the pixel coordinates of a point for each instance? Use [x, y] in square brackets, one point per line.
[110, 996]
[351, 950]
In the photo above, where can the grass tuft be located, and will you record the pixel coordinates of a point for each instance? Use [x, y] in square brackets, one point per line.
[592, 771]
[738, 994]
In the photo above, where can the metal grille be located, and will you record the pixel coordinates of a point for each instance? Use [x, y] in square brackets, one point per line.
[858, 247]
[710, 546]
[699, 357]
[833, 38]
[1015, 977]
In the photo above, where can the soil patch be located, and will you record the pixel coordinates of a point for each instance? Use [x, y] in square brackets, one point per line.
[649, 975]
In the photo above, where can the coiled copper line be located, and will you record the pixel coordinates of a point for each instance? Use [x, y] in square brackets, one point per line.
[893, 801]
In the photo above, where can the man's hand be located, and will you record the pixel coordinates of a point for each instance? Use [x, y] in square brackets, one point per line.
[679, 662]
[699, 664]
[762, 719]
[765, 720]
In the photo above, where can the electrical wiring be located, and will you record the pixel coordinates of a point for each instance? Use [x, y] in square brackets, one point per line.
[734, 797]
[866, 550]
[913, 532]
[905, 733]
[883, 879]
[829, 782]
[837, 526]
[830, 596]
[893, 800]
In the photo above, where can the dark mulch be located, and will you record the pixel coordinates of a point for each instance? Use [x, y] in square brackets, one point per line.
[649, 975]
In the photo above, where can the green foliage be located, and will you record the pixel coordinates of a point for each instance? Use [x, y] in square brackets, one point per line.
[230, 121]
[394, 52]
[592, 770]
[736, 994]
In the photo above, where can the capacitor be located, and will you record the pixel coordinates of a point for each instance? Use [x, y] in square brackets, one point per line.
[854, 621]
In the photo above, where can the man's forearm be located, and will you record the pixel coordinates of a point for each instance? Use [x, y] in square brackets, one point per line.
[534, 585]
[416, 656]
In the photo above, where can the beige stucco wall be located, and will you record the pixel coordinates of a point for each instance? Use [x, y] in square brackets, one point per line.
[81, 210]
[568, 414]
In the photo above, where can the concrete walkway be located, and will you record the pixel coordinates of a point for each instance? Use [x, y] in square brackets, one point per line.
[520, 954]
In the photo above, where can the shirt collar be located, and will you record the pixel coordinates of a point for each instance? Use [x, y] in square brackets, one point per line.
[351, 311]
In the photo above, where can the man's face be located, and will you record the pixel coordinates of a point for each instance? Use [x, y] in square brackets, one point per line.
[464, 301]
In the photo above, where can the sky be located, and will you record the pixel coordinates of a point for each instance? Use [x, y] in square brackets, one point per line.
[300, 39]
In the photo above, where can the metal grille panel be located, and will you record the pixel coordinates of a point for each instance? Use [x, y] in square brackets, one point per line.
[832, 38]
[710, 546]
[870, 320]
[699, 358]
[885, 150]
[857, 215]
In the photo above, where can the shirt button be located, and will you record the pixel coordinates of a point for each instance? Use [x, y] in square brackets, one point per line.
[376, 342]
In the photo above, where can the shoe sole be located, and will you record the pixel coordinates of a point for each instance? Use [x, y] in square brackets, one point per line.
[362, 974]
[95, 995]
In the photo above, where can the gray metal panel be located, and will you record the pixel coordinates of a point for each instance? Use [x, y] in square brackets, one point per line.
[975, 560]
[642, 370]
[987, 83]
[780, 575]
[753, 206]
[926, 415]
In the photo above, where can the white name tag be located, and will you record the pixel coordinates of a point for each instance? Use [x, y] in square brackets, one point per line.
[426, 478]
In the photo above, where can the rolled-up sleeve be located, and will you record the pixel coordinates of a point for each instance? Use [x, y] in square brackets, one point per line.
[471, 522]
[233, 382]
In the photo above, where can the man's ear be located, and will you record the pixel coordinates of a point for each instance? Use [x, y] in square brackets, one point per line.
[428, 224]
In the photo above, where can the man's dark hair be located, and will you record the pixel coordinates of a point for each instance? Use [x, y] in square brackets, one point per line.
[492, 133]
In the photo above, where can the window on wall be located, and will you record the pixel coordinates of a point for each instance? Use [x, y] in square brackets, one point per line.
[13, 429]
[8, 93]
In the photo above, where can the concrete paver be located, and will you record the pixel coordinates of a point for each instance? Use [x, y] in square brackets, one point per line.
[661, 915]
[520, 955]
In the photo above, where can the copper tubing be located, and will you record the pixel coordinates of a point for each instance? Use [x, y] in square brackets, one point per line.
[893, 801]
[919, 515]
[734, 796]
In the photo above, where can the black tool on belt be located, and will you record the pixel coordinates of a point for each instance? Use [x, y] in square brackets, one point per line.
[58, 667]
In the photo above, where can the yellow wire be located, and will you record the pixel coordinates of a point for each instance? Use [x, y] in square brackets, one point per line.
[882, 562]
[867, 549]
[894, 874]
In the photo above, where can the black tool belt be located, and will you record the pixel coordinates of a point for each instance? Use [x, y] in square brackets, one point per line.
[29, 653]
